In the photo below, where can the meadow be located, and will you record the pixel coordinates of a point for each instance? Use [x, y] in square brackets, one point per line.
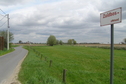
[84, 65]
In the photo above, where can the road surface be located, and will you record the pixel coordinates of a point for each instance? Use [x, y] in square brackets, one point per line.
[9, 62]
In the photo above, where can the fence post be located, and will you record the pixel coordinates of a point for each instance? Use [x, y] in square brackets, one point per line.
[41, 57]
[33, 50]
[45, 58]
[38, 53]
[64, 75]
[50, 63]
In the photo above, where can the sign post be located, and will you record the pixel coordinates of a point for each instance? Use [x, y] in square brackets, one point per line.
[110, 18]
[112, 55]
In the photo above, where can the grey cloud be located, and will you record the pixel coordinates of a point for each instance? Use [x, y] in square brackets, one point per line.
[92, 17]
[121, 31]
[13, 2]
[109, 5]
[123, 15]
[65, 21]
[121, 3]
[99, 32]
[68, 24]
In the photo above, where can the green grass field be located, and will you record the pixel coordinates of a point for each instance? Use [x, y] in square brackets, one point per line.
[84, 65]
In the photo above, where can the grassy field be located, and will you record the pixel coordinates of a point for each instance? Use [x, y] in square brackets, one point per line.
[85, 65]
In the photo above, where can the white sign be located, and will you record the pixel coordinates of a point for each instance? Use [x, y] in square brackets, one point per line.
[111, 17]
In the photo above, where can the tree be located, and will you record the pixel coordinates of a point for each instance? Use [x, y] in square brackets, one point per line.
[20, 41]
[4, 34]
[125, 40]
[74, 42]
[60, 42]
[71, 41]
[51, 40]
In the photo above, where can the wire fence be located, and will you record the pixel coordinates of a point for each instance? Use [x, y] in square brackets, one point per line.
[52, 64]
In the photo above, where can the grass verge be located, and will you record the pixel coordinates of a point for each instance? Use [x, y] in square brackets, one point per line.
[5, 51]
[84, 65]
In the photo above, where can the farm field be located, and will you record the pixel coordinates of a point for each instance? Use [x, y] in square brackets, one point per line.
[84, 65]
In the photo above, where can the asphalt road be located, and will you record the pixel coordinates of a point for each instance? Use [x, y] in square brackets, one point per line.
[9, 62]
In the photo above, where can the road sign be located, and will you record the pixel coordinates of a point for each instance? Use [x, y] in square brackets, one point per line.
[111, 17]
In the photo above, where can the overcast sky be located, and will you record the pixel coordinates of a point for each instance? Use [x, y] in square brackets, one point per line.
[36, 20]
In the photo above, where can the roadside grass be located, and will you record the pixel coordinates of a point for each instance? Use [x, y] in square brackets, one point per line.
[5, 51]
[85, 65]
[35, 71]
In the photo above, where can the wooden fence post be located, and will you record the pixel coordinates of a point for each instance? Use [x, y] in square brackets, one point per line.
[38, 53]
[50, 63]
[64, 75]
[45, 58]
[41, 56]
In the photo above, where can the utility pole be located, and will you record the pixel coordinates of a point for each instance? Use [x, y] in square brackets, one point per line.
[8, 31]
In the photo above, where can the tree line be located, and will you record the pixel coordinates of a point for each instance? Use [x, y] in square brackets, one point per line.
[53, 41]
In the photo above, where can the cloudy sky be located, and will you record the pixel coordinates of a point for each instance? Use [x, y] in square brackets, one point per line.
[36, 20]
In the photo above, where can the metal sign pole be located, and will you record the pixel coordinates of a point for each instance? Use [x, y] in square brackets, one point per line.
[112, 55]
